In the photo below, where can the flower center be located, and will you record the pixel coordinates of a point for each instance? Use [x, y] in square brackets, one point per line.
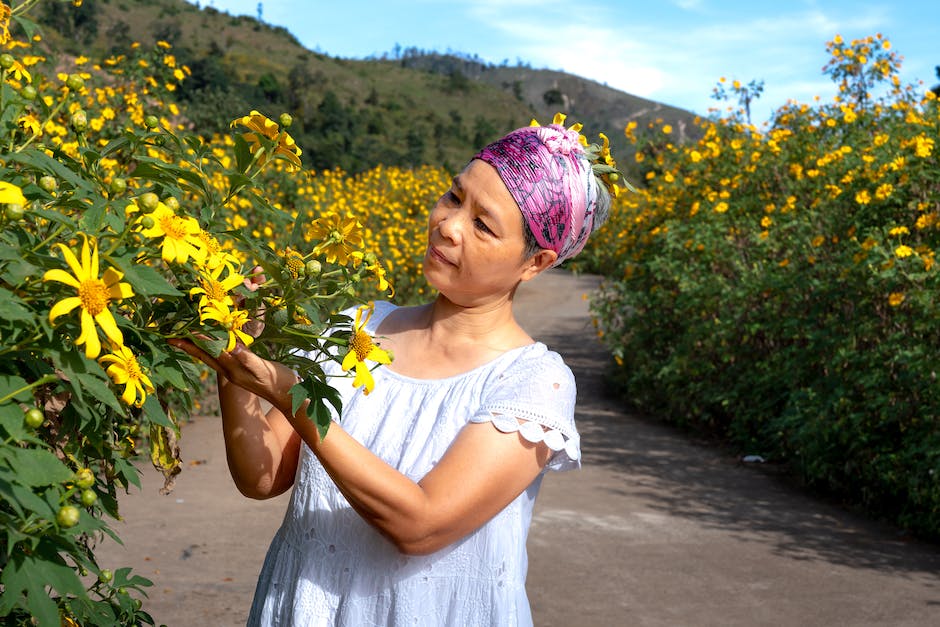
[362, 344]
[212, 244]
[174, 227]
[94, 296]
[295, 266]
[134, 372]
[214, 290]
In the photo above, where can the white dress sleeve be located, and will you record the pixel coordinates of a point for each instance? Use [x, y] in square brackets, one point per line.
[536, 396]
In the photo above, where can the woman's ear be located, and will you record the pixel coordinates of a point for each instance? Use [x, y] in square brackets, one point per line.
[538, 262]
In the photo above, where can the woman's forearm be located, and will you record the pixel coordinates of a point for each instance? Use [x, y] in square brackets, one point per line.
[261, 447]
[482, 472]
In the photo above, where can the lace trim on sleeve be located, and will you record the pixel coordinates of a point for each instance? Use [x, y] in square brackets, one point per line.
[535, 428]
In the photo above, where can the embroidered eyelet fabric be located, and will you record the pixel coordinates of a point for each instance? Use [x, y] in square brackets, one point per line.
[327, 566]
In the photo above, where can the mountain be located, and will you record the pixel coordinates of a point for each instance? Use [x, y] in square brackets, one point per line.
[409, 108]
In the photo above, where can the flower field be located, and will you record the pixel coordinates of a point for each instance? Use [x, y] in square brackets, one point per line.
[777, 285]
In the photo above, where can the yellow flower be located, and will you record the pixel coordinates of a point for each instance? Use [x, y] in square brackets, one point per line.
[361, 348]
[903, 251]
[30, 123]
[230, 320]
[899, 230]
[372, 263]
[339, 236]
[125, 370]
[11, 194]
[215, 257]
[883, 191]
[260, 125]
[214, 290]
[180, 235]
[93, 296]
[863, 197]
[895, 299]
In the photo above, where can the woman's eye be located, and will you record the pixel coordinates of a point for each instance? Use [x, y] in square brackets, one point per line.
[451, 197]
[480, 224]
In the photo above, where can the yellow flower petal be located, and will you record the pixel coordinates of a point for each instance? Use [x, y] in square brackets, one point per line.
[62, 277]
[89, 336]
[350, 360]
[64, 306]
[105, 320]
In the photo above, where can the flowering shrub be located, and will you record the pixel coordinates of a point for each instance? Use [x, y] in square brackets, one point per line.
[778, 284]
[120, 229]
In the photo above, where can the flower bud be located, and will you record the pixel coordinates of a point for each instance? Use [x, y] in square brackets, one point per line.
[117, 186]
[285, 120]
[79, 121]
[314, 268]
[151, 121]
[75, 82]
[14, 211]
[6, 61]
[48, 183]
[148, 201]
[172, 203]
[28, 92]
[147, 222]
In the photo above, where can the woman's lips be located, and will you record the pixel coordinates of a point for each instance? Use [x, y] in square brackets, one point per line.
[437, 255]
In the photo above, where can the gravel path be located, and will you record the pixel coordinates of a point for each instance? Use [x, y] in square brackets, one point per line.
[655, 529]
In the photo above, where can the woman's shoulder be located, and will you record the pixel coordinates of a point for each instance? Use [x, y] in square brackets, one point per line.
[537, 360]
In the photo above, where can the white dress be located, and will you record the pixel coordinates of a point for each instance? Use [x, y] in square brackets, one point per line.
[327, 566]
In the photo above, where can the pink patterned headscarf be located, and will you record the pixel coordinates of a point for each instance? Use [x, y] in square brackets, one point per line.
[551, 180]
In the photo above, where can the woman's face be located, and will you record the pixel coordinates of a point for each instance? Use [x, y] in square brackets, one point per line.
[475, 239]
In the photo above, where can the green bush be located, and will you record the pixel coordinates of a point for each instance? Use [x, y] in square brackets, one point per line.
[777, 286]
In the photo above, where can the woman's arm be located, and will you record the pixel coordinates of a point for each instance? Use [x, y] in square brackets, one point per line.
[261, 447]
[482, 472]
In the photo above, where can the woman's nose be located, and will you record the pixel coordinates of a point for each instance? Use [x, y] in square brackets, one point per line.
[449, 225]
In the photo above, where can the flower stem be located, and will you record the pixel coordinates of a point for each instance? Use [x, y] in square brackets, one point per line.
[49, 378]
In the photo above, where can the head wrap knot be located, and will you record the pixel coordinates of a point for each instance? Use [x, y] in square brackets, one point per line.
[550, 177]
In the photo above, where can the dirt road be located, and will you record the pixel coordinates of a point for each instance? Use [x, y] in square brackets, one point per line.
[655, 530]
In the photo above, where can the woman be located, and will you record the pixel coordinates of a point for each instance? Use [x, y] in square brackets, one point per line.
[415, 507]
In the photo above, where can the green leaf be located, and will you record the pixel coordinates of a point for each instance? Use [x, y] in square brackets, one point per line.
[12, 308]
[54, 572]
[26, 500]
[40, 160]
[11, 419]
[242, 154]
[145, 280]
[212, 346]
[29, 27]
[172, 376]
[37, 467]
[99, 390]
[321, 417]
[298, 394]
[153, 412]
[93, 216]
[18, 577]
[15, 386]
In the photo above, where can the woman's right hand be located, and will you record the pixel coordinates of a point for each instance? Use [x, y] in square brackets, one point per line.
[268, 379]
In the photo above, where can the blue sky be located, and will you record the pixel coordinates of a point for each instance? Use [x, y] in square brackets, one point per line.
[672, 51]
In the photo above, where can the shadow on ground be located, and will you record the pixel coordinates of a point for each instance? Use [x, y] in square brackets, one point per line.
[676, 475]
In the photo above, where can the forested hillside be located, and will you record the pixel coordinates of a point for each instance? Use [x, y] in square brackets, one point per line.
[408, 107]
